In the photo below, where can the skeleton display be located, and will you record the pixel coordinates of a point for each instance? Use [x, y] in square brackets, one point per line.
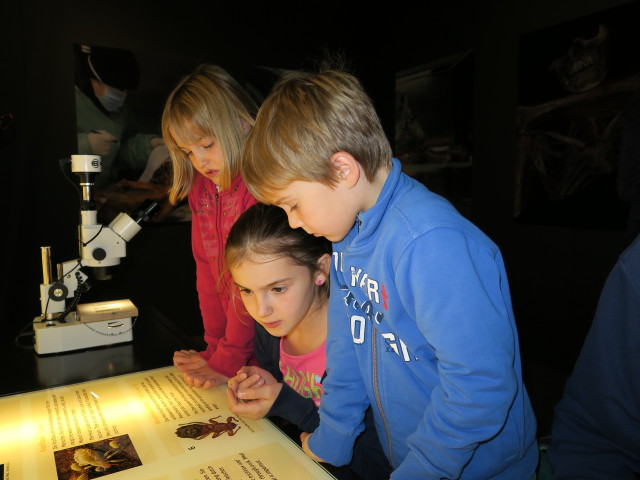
[569, 142]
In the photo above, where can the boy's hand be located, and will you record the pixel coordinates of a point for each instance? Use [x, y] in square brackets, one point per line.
[185, 360]
[252, 392]
[304, 439]
[204, 378]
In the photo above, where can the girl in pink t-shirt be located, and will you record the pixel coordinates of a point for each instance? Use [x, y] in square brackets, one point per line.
[282, 275]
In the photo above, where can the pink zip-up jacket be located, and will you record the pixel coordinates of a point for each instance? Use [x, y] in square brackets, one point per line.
[228, 329]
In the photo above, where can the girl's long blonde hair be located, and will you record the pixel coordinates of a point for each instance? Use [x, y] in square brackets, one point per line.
[207, 102]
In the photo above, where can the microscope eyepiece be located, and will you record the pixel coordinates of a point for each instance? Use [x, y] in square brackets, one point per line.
[145, 211]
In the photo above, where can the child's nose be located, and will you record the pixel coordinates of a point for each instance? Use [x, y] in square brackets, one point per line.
[200, 160]
[294, 221]
[264, 308]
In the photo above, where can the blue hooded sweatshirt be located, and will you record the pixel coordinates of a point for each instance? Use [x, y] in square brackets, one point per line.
[421, 328]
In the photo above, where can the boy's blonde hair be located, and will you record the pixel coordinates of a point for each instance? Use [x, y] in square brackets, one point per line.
[305, 120]
[207, 102]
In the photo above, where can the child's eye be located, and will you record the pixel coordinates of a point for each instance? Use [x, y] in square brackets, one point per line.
[279, 289]
[244, 291]
[207, 142]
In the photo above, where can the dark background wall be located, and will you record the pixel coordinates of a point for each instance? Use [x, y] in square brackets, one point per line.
[556, 273]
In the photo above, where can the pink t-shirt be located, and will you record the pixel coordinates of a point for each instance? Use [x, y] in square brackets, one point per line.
[304, 373]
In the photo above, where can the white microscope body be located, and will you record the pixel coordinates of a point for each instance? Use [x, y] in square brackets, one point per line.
[60, 327]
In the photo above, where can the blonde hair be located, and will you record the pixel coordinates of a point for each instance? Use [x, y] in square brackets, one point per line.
[305, 120]
[207, 102]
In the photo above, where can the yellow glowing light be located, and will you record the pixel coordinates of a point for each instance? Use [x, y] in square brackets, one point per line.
[136, 407]
[19, 430]
[123, 411]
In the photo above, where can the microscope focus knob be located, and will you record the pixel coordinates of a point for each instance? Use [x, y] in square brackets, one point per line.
[99, 254]
[58, 292]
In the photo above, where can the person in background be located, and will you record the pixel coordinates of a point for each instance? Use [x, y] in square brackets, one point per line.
[106, 126]
[205, 122]
[283, 276]
[420, 323]
[596, 427]
[628, 182]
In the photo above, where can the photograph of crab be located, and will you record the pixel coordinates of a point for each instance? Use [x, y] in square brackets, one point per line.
[96, 459]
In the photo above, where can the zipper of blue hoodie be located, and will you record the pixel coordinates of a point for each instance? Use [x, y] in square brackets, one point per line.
[376, 393]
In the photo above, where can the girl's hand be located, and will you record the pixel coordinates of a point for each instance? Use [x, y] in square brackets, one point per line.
[248, 377]
[186, 360]
[251, 375]
[252, 392]
[204, 378]
[304, 439]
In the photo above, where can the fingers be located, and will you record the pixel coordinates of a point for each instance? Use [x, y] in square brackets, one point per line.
[263, 374]
[267, 393]
[185, 360]
[184, 353]
[233, 401]
[101, 141]
[249, 369]
[188, 379]
[234, 382]
[203, 377]
[255, 409]
[214, 381]
[251, 381]
[194, 380]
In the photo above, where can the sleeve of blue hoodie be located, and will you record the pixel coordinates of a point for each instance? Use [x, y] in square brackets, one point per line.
[454, 287]
[342, 410]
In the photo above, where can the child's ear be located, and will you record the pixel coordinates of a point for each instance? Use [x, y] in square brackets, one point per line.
[323, 266]
[246, 127]
[347, 168]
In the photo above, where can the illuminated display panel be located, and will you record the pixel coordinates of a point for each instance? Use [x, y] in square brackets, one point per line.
[146, 425]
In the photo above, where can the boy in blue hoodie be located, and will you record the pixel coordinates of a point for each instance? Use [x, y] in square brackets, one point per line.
[420, 320]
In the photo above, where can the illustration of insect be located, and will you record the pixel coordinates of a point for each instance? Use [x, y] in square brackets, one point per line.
[199, 430]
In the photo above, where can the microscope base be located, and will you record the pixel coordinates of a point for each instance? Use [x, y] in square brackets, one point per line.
[55, 337]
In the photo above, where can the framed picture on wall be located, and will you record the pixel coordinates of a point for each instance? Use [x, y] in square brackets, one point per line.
[433, 114]
[577, 84]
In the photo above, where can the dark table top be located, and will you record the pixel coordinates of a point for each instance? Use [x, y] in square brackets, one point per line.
[155, 339]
